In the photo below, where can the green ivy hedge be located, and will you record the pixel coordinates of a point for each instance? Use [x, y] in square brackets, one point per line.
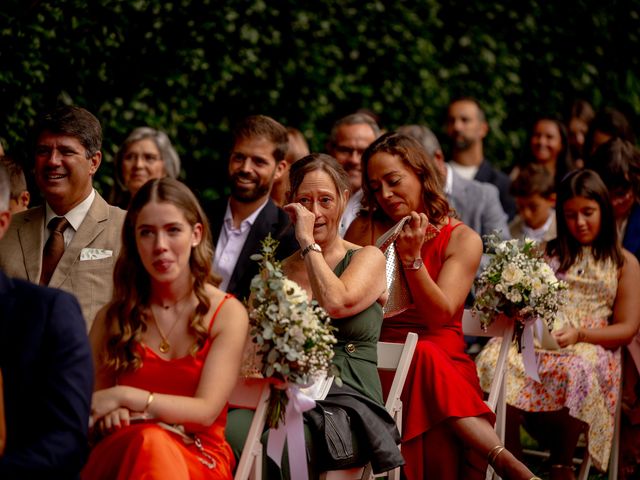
[193, 68]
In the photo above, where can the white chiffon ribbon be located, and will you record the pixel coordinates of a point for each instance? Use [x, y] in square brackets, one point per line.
[292, 430]
[529, 358]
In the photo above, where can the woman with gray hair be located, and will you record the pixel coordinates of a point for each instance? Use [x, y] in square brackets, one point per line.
[145, 154]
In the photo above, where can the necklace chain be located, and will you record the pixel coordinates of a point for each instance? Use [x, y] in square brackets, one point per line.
[164, 345]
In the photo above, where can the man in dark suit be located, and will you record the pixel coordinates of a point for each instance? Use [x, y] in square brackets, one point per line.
[256, 160]
[67, 155]
[47, 370]
[467, 127]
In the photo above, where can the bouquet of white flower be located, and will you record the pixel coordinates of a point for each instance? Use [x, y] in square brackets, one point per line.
[293, 335]
[517, 283]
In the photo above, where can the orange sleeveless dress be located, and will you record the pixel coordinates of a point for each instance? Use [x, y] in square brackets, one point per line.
[146, 450]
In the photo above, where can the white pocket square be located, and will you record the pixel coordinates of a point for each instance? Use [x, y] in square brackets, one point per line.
[95, 254]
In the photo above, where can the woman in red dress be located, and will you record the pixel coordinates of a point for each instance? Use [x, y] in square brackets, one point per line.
[447, 427]
[167, 348]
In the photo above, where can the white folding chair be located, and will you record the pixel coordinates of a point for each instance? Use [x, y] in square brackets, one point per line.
[252, 394]
[394, 357]
[501, 327]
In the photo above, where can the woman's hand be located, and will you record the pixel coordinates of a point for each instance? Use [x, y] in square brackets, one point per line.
[567, 336]
[105, 401]
[409, 242]
[114, 421]
[303, 219]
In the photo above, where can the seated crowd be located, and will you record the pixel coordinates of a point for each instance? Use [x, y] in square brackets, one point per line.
[124, 323]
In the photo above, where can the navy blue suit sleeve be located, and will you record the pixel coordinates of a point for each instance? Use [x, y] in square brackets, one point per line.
[53, 439]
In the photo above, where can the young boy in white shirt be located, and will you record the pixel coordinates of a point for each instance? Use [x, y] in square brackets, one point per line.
[534, 192]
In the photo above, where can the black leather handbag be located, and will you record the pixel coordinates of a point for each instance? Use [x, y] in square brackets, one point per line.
[333, 424]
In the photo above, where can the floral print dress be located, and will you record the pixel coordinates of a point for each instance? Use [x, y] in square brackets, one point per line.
[584, 378]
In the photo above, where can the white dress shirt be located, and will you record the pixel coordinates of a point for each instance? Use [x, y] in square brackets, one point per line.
[465, 171]
[75, 217]
[350, 212]
[230, 244]
[448, 182]
[538, 234]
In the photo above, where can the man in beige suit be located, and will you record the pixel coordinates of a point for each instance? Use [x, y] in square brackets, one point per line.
[67, 155]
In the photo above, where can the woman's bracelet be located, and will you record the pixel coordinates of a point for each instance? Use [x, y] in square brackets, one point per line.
[148, 404]
[581, 335]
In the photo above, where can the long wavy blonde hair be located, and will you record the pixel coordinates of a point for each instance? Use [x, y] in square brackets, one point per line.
[128, 312]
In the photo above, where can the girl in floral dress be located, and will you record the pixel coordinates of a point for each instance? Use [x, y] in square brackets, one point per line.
[580, 382]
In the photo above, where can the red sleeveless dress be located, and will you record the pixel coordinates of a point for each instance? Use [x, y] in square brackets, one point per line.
[146, 450]
[442, 382]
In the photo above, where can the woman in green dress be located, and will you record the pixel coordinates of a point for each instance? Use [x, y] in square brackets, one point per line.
[348, 281]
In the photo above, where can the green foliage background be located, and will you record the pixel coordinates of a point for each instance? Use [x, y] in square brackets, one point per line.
[193, 68]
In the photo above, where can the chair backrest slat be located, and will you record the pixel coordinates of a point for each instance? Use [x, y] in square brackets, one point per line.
[396, 356]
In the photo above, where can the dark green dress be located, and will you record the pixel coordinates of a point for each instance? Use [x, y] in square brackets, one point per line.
[356, 358]
[356, 351]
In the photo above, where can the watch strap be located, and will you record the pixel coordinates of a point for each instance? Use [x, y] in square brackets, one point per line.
[416, 264]
[312, 247]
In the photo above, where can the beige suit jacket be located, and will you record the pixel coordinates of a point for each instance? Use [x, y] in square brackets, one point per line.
[90, 280]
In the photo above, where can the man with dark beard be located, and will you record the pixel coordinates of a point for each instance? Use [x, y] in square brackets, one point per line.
[467, 127]
[257, 159]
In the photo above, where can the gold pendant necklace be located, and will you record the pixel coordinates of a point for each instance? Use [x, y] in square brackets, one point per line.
[164, 346]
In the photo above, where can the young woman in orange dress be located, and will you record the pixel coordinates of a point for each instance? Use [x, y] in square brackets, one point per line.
[167, 348]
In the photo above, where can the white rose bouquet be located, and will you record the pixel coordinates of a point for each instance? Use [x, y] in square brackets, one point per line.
[517, 282]
[293, 335]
